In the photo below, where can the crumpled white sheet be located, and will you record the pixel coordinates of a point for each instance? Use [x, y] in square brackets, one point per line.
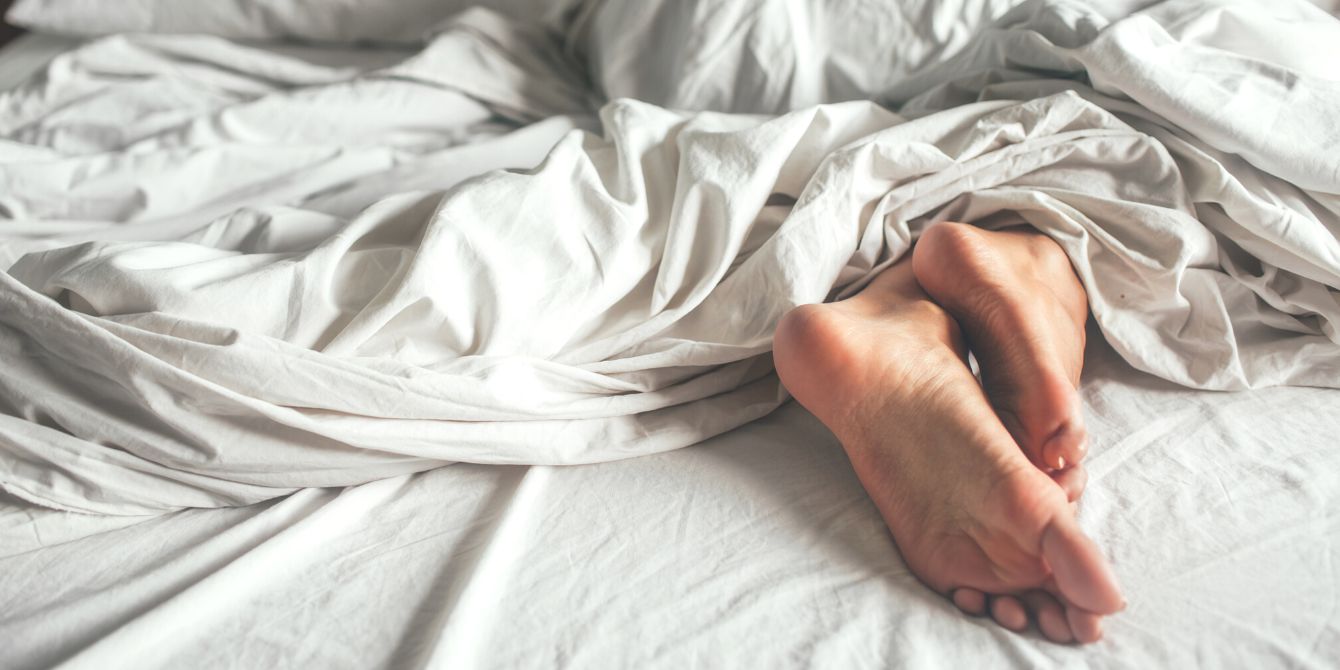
[758, 548]
[620, 299]
[328, 21]
[762, 57]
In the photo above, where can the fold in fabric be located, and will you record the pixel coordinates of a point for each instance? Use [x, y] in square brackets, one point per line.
[619, 299]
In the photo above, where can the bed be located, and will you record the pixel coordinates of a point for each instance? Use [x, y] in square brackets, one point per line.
[756, 547]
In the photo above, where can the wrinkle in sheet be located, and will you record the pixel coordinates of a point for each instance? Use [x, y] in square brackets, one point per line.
[495, 265]
[470, 618]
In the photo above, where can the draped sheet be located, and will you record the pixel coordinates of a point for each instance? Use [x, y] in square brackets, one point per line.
[212, 312]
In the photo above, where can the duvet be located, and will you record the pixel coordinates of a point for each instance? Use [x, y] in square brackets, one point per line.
[274, 274]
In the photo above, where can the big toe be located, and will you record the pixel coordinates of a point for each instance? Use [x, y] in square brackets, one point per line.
[1043, 413]
[1082, 575]
[1067, 444]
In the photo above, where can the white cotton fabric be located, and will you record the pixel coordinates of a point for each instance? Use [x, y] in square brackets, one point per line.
[381, 21]
[758, 548]
[207, 304]
[756, 56]
[27, 54]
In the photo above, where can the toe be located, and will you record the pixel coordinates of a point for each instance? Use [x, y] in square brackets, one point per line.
[1067, 445]
[1083, 576]
[971, 601]
[1086, 626]
[1009, 613]
[1050, 615]
[1072, 480]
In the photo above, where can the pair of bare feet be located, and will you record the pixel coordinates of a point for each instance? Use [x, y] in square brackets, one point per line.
[976, 481]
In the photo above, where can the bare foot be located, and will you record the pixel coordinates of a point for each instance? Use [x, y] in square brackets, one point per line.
[1023, 311]
[973, 518]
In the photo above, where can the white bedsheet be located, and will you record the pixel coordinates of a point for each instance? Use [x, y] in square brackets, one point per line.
[756, 548]
[1221, 512]
[620, 300]
[756, 56]
[27, 54]
[328, 21]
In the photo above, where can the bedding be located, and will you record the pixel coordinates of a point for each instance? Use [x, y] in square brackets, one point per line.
[187, 174]
[775, 57]
[395, 22]
[783, 56]
[27, 54]
[757, 548]
[620, 299]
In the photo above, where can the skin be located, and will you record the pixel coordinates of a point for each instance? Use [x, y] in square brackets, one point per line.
[1022, 311]
[975, 480]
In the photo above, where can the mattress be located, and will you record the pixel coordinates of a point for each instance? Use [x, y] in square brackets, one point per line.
[756, 548]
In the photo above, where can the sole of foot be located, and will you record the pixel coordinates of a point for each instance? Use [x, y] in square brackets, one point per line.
[1023, 312]
[972, 516]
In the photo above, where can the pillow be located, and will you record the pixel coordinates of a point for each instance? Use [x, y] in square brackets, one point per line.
[388, 21]
[761, 56]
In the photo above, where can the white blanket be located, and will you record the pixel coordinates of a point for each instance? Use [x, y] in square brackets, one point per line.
[620, 299]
